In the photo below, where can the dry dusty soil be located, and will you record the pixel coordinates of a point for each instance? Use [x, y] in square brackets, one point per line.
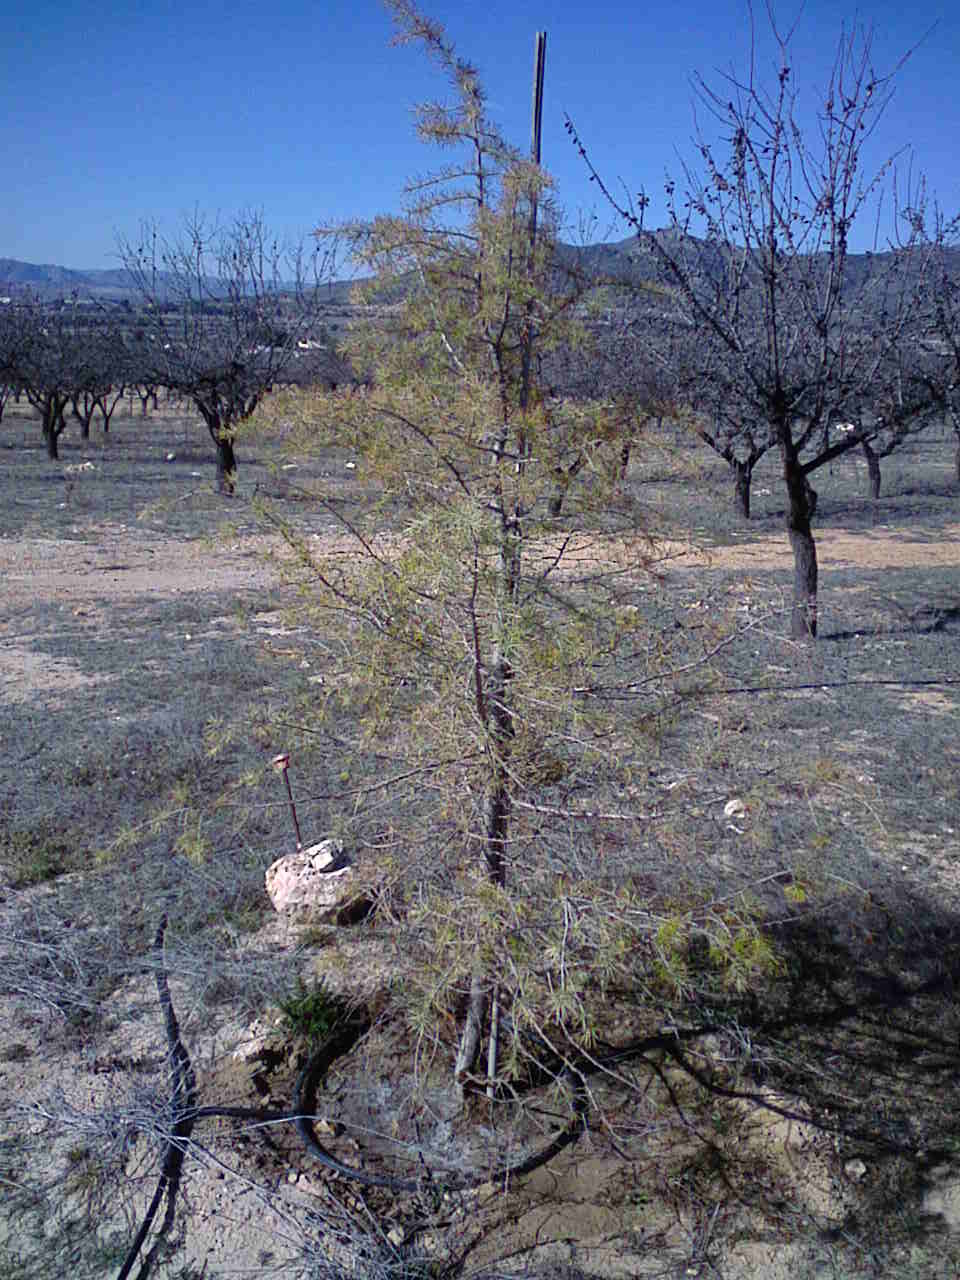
[141, 622]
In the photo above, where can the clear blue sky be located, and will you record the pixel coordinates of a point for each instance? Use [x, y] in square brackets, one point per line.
[113, 111]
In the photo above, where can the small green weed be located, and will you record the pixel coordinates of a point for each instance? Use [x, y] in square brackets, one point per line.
[314, 936]
[33, 855]
[311, 1012]
[242, 919]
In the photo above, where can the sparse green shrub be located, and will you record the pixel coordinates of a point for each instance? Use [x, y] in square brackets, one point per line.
[311, 1011]
[33, 855]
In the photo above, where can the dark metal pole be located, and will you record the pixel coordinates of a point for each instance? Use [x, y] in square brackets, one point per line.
[539, 62]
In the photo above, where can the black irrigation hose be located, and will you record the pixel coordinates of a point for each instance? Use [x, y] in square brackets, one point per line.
[302, 1118]
[183, 1092]
[185, 1113]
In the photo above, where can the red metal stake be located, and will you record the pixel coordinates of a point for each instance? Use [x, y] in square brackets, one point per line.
[282, 764]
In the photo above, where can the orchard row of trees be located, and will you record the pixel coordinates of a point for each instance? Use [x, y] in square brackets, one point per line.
[495, 644]
[769, 328]
[221, 313]
[65, 365]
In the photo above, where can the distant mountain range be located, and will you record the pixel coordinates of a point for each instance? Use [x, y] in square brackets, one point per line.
[50, 283]
[631, 258]
[617, 259]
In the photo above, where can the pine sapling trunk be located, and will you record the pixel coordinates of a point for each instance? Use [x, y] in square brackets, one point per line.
[496, 819]
[493, 697]
[565, 477]
[496, 816]
[472, 1032]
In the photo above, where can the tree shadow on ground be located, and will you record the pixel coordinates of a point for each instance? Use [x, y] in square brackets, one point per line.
[823, 1105]
[858, 1041]
[866, 1024]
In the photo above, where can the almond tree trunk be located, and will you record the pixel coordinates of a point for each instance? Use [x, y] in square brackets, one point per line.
[226, 464]
[51, 440]
[107, 405]
[83, 407]
[742, 477]
[873, 470]
[801, 503]
[222, 437]
[53, 425]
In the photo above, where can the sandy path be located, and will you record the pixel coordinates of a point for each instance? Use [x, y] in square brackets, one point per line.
[123, 564]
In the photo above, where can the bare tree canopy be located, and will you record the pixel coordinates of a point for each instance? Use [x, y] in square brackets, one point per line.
[51, 359]
[225, 307]
[944, 330]
[775, 331]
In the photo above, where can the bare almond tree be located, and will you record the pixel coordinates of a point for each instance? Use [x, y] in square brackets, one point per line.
[224, 309]
[777, 331]
[8, 347]
[49, 358]
[942, 337]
